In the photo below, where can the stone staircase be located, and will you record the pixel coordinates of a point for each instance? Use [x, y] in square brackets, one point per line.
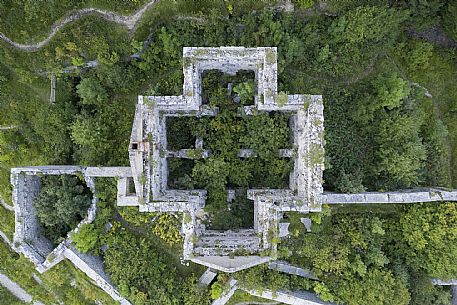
[227, 243]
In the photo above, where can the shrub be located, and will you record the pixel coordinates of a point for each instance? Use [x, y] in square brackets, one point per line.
[61, 204]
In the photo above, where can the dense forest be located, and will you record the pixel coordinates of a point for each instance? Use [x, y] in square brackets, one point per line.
[387, 73]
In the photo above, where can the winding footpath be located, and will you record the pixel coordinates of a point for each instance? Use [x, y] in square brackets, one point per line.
[128, 21]
[16, 290]
[5, 205]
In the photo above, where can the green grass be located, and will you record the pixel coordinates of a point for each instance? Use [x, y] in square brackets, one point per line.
[439, 78]
[8, 298]
[7, 222]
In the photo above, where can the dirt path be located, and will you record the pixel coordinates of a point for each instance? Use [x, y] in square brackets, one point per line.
[128, 21]
[434, 35]
[6, 206]
[16, 290]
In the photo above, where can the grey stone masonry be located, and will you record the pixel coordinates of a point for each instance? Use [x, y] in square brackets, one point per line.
[206, 278]
[225, 297]
[290, 269]
[28, 238]
[148, 154]
[405, 196]
[452, 282]
[289, 297]
[92, 266]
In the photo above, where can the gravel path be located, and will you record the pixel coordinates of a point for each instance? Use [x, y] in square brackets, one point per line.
[6, 206]
[128, 21]
[15, 289]
[6, 239]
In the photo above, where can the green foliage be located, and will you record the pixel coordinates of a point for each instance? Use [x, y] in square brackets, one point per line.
[365, 24]
[419, 55]
[166, 227]
[216, 290]
[147, 271]
[390, 121]
[194, 294]
[369, 291]
[61, 204]
[149, 277]
[93, 133]
[354, 249]
[260, 277]
[91, 92]
[7, 222]
[429, 231]
[86, 239]
[245, 91]
[324, 293]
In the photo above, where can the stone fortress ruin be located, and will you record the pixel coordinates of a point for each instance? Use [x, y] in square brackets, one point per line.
[145, 183]
[148, 159]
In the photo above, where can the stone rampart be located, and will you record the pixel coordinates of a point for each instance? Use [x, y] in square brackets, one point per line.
[406, 196]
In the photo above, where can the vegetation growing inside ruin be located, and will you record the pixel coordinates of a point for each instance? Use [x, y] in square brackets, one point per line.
[225, 135]
[145, 274]
[142, 252]
[61, 204]
[382, 130]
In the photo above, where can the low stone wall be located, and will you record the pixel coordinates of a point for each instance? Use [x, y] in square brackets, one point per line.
[407, 196]
[290, 269]
[92, 266]
[289, 297]
[225, 297]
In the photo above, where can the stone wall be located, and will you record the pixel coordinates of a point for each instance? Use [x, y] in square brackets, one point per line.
[406, 196]
[27, 237]
[290, 297]
[149, 151]
[290, 269]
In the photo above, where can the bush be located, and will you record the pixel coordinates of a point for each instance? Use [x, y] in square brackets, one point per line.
[86, 239]
[61, 204]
